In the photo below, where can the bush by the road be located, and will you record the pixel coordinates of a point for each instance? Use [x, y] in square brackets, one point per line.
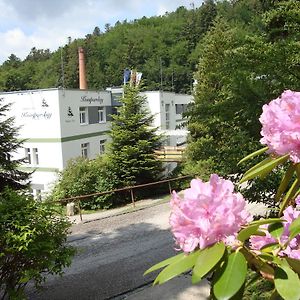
[32, 242]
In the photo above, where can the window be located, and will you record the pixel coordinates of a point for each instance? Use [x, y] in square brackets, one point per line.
[180, 108]
[35, 156]
[36, 190]
[38, 194]
[101, 114]
[102, 146]
[31, 156]
[83, 115]
[167, 108]
[28, 155]
[85, 150]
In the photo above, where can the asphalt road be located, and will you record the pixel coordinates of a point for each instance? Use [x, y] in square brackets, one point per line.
[113, 254]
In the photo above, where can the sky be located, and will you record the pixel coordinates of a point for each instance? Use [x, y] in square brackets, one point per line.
[47, 24]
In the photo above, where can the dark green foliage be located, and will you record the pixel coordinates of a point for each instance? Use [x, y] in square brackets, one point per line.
[78, 178]
[149, 45]
[82, 177]
[131, 157]
[38, 54]
[221, 120]
[9, 173]
[32, 242]
[258, 288]
[283, 21]
[239, 71]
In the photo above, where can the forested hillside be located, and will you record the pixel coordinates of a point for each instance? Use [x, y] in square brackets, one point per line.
[242, 53]
[163, 44]
[247, 59]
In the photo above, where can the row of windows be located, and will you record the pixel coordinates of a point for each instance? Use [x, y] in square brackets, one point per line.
[32, 155]
[180, 109]
[85, 148]
[85, 118]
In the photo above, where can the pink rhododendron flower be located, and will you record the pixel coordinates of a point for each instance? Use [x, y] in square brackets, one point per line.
[210, 212]
[293, 248]
[281, 125]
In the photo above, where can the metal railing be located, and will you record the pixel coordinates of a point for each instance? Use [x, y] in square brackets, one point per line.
[128, 188]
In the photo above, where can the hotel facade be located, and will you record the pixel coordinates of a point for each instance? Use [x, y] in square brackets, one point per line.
[59, 124]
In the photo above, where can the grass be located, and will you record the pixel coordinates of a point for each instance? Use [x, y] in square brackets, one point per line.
[258, 288]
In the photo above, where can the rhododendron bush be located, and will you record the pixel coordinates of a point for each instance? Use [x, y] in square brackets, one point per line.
[219, 238]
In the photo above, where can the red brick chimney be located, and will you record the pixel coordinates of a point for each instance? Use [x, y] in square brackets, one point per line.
[82, 75]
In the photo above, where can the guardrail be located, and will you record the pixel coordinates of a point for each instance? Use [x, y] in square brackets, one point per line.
[128, 188]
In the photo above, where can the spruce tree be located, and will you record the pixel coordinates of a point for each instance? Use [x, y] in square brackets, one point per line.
[10, 176]
[131, 156]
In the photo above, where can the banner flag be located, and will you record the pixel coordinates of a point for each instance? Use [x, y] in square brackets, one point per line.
[127, 75]
[138, 78]
[132, 78]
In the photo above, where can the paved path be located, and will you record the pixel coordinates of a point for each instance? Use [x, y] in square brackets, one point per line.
[114, 249]
[113, 254]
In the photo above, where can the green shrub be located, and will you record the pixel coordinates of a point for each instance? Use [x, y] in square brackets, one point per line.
[32, 242]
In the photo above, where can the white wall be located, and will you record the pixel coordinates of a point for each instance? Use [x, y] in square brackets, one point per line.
[156, 103]
[37, 112]
[47, 125]
[49, 154]
[153, 105]
[72, 149]
[74, 99]
[44, 180]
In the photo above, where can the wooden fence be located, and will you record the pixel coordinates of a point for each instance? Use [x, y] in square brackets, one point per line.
[128, 188]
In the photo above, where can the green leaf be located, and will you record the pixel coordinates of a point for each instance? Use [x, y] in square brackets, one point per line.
[253, 154]
[287, 283]
[266, 256]
[177, 268]
[265, 168]
[24, 279]
[269, 247]
[289, 195]
[245, 233]
[165, 262]
[206, 261]
[294, 263]
[263, 162]
[285, 181]
[267, 221]
[276, 230]
[294, 228]
[232, 277]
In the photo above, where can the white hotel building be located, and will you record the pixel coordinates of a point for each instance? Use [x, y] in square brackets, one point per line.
[59, 124]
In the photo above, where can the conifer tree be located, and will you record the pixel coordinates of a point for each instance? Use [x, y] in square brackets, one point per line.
[131, 157]
[9, 174]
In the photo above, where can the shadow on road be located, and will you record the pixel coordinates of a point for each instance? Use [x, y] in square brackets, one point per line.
[109, 263]
[113, 253]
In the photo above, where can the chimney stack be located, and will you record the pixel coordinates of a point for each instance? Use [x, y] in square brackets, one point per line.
[82, 75]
